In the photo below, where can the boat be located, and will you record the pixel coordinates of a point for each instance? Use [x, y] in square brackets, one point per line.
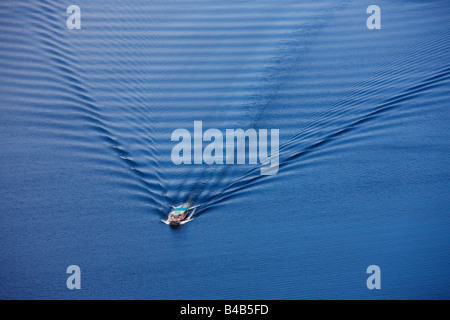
[177, 215]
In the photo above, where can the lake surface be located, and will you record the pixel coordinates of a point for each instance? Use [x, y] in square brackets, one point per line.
[86, 173]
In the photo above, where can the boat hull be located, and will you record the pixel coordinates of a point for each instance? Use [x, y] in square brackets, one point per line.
[177, 216]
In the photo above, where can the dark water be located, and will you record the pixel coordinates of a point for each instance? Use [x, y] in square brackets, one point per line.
[86, 171]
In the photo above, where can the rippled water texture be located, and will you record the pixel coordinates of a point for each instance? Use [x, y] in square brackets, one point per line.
[86, 172]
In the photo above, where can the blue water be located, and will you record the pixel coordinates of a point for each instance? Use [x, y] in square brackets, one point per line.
[86, 174]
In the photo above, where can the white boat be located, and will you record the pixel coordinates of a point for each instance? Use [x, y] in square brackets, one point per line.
[178, 215]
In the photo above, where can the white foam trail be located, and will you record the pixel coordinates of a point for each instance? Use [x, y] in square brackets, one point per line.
[189, 218]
